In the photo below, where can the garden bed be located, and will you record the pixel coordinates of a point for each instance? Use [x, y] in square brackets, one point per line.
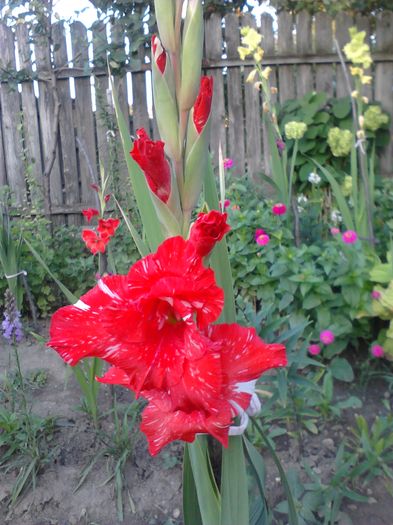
[154, 484]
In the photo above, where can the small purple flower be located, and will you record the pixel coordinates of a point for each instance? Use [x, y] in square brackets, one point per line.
[349, 237]
[228, 163]
[280, 145]
[11, 325]
[263, 239]
[377, 351]
[375, 295]
[314, 349]
[334, 231]
[326, 337]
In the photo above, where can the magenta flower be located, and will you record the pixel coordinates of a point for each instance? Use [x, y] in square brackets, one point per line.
[375, 294]
[326, 337]
[280, 145]
[334, 231]
[258, 232]
[349, 237]
[263, 239]
[377, 351]
[228, 163]
[314, 349]
[226, 205]
[279, 209]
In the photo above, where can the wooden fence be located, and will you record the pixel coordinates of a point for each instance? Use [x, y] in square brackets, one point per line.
[54, 142]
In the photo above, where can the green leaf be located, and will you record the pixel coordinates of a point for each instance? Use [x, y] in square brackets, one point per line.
[140, 187]
[209, 504]
[341, 108]
[341, 369]
[191, 512]
[259, 512]
[234, 490]
[142, 248]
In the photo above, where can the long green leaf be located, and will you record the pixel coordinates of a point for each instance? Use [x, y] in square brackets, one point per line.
[191, 512]
[219, 258]
[278, 172]
[234, 489]
[257, 464]
[141, 190]
[209, 504]
[342, 204]
[71, 298]
[292, 514]
[142, 248]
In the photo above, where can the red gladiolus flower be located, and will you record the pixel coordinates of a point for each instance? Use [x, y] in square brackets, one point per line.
[159, 54]
[153, 326]
[107, 227]
[89, 213]
[95, 243]
[145, 322]
[203, 103]
[207, 230]
[149, 154]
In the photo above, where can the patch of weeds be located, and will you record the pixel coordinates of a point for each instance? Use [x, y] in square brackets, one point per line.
[117, 448]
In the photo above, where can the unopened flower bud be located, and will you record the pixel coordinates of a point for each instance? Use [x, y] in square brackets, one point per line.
[273, 90]
[361, 121]
[355, 94]
[251, 76]
[265, 107]
[360, 134]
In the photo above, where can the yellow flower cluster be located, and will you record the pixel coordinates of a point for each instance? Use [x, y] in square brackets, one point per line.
[374, 118]
[250, 44]
[340, 141]
[295, 130]
[358, 52]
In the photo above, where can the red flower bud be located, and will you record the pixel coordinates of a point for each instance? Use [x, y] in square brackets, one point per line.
[89, 213]
[203, 103]
[149, 154]
[95, 187]
[94, 242]
[159, 54]
[207, 230]
[107, 227]
[107, 197]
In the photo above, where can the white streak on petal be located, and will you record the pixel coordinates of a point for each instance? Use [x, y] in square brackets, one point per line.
[239, 430]
[82, 306]
[104, 288]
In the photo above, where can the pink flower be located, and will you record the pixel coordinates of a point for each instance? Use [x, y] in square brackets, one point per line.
[236, 207]
[375, 294]
[326, 337]
[334, 231]
[280, 145]
[258, 232]
[228, 163]
[279, 209]
[349, 237]
[263, 239]
[227, 203]
[314, 349]
[377, 351]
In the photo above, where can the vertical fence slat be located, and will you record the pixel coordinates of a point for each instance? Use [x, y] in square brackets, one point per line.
[285, 46]
[120, 81]
[304, 75]
[84, 121]
[343, 23]
[235, 96]
[252, 127]
[104, 111]
[3, 174]
[66, 124]
[213, 52]
[30, 117]
[10, 105]
[140, 115]
[384, 80]
[47, 109]
[324, 73]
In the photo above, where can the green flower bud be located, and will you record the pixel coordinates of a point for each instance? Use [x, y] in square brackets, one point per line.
[191, 59]
[295, 130]
[374, 118]
[346, 186]
[165, 16]
[340, 141]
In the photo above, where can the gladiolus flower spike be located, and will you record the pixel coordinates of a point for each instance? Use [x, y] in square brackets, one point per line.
[154, 327]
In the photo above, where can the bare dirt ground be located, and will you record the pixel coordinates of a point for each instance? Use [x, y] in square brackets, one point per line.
[154, 483]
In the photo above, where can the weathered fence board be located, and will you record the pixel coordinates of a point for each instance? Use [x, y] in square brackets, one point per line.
[11, 121]
[235, 96]
[31, 131]
[84, 120]
[65, 138]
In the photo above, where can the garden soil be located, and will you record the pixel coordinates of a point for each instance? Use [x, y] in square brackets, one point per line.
[153, 496]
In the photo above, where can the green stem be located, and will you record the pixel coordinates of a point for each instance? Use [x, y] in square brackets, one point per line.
[292, 171]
